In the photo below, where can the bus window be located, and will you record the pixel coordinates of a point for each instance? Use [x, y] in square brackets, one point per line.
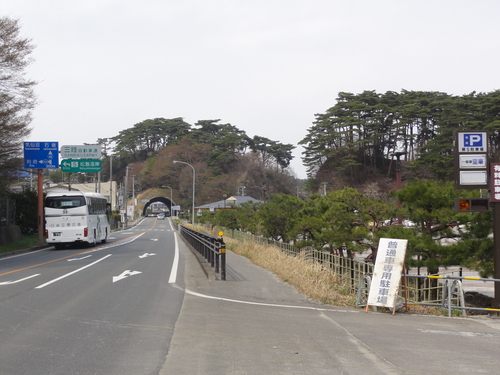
[64, 202]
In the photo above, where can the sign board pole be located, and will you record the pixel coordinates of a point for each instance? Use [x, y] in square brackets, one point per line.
[496, 253]
[40, 208]
[496, 231]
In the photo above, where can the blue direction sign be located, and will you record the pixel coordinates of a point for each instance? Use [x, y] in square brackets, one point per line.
[81, 165]
[41, 155]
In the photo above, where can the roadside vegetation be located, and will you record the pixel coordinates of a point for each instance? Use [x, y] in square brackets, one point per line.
[309, 278]
[27, 242]
[354, 222]
[349, 200]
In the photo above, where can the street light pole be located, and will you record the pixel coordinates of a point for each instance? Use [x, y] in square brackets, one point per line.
[170, 208]
[133, 197]
[194, 178]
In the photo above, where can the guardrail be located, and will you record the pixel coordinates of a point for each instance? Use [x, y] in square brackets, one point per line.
[450, 294]
[211, 248]
[417, 289]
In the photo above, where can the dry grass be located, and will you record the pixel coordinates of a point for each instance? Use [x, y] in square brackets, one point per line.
[310, 278]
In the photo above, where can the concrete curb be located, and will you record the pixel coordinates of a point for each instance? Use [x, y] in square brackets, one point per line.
[24, 251]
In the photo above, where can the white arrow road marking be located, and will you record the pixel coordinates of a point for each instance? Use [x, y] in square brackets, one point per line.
[18, 281]
[145, 255]
[125, 274]
[70, 260]
[154, 239]
[71, 273]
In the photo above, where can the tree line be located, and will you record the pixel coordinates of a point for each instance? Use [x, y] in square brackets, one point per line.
[358, 137]
[346, 221]
[223, 155]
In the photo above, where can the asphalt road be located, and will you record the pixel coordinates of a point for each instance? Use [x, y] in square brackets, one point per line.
[104, 310]
[122, 309]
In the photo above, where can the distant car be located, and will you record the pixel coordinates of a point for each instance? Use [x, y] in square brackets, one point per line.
[161, 216]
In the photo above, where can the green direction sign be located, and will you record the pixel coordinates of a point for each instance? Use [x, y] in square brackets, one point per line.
[81, 165]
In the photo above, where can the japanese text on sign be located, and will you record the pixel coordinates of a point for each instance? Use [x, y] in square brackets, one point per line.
[387, 272]
[495, 182]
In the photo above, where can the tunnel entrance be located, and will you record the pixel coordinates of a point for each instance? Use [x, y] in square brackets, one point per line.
[167, 202]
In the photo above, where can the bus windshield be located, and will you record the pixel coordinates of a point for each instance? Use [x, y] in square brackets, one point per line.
[64, 202]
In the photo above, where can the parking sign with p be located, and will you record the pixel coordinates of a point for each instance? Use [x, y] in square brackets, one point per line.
[472, 142]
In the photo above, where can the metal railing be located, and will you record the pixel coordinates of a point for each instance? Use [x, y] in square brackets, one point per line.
[423, 290]
[211, 248]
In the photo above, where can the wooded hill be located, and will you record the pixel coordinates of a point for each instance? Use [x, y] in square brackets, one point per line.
[225, 159]
[353, 142]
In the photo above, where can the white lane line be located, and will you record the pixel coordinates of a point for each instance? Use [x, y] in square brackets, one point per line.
[71, 273]
[175, 264]
[266, 304]
[117, 243]
[18, 281]
[72, 259]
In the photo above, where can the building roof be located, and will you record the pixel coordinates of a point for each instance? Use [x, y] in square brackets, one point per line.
[233, 201]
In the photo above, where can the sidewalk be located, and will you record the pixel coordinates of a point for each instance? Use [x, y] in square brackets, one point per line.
[254, 323]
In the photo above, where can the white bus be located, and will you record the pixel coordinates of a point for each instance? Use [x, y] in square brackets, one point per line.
[76, 217]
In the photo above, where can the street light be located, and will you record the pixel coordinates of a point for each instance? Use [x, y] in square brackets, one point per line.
[170, 208]
[194, 174]
[398, 179]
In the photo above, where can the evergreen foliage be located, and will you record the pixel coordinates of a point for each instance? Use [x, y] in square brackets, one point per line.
[360, 133]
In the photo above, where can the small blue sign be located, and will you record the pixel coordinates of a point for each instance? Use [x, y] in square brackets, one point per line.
[473, 140]
[41, 155]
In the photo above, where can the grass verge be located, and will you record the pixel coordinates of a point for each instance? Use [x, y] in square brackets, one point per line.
[27, 242]
[309, 278]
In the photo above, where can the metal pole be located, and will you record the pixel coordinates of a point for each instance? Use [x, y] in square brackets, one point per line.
[170, 208]
[194, 178]
[133, 197]
[222, 260]
[125, 198]
[111, 181]
[40, 207]
[496, 253]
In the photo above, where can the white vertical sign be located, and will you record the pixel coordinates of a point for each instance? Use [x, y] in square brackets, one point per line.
[387, 272]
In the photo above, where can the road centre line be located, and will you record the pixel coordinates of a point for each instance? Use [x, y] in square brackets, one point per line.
[71, 273]
[102, 247]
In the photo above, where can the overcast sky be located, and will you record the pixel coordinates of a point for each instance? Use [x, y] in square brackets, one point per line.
[265, 66]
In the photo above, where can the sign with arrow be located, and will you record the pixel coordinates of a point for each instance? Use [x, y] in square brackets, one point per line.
[81, 165]
[125, 274]
[41, 155]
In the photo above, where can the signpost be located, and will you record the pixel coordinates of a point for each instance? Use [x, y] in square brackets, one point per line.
[471, 172]
[81, 165]
[81, 152]
[41, 155]
[471, 164]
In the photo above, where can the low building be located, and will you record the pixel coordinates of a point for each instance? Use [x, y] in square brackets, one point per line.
[228, 203]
